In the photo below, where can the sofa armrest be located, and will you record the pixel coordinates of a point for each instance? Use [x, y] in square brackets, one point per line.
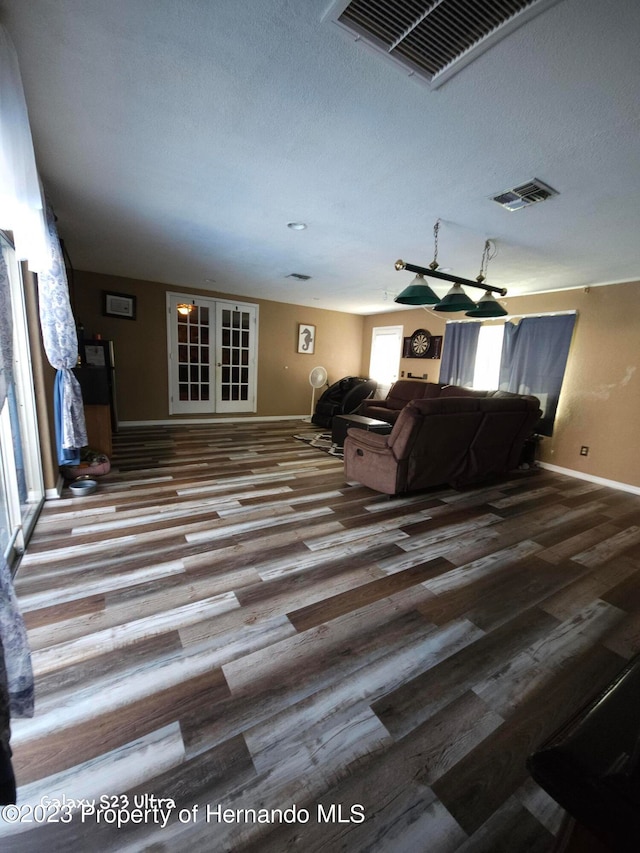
[371, 401]
[373, 441]
[369, 460]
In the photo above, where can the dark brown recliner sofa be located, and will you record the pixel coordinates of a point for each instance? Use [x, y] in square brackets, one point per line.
[401, 392]
[455, 440]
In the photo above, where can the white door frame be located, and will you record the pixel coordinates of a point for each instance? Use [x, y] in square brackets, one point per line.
[386, 334]
[219, 354]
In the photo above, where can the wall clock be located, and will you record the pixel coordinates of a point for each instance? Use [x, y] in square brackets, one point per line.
[419, 343]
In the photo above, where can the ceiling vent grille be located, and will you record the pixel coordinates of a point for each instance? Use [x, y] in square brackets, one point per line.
[433, 39]
[524, 195]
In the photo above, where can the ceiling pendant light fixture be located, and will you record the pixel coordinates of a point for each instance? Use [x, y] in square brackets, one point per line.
[455, 300]
[185, 308]
[419, 292]
[487, 306]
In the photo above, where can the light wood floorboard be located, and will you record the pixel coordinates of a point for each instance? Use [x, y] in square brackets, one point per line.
[228, 623]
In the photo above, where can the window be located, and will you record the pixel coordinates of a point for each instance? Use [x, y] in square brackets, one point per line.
[529, 358]
[486, 373]
[21, 484]
[386, 347]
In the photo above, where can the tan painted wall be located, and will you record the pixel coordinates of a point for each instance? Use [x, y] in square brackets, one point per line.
[283, 373]
[600, 401]
[410, 320]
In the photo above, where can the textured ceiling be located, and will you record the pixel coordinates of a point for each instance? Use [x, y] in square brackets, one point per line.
[177, 139]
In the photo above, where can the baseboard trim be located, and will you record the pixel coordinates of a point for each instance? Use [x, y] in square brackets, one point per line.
[601, 481]
[56, 493]
[192, 421]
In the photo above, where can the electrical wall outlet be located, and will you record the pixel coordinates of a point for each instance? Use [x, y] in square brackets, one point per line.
[584, 450]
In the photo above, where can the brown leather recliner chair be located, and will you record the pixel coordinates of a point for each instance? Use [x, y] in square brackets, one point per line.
[455, 440]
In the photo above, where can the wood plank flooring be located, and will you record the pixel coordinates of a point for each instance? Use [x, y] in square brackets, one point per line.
[228, 624]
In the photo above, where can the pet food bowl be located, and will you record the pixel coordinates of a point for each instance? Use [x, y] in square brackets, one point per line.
[83, 487]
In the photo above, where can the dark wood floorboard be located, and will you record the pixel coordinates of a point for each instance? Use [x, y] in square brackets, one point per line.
[229, 624]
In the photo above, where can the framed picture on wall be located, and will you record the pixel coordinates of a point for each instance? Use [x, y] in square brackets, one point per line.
[118, 305]
[306, 338]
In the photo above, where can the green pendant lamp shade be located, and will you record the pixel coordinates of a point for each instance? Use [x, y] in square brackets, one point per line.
[455, 300]
[418, 293]
[487, 307]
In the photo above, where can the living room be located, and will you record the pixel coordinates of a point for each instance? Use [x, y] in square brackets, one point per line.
[590, 266]
[227, 621]
[599, 405]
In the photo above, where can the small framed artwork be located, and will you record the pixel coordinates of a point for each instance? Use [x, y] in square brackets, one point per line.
[306, 338]
[118, 305]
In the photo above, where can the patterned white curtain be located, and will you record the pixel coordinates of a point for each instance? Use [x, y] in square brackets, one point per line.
[6, 331]
[15, 646]
[61, 346]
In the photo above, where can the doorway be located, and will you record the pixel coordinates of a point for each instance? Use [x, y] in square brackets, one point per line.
[212, 355]
[384, 364]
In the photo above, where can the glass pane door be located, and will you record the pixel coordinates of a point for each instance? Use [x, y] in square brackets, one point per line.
[21, 472]
[190, 355]
[194, 380]
[212, 363]
[236, 358]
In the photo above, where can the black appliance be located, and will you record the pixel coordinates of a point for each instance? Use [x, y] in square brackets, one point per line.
[97, 376]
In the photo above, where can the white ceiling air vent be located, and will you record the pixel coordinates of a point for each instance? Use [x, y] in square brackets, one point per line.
[432, 39]
[524, 195]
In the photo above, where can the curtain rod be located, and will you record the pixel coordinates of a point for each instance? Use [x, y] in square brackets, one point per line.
[520, 316]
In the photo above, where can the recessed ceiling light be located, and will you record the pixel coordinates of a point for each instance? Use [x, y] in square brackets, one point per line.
[210, 280]
[297, 226]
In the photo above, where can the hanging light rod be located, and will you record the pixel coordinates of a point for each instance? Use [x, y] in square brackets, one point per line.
[444, 276]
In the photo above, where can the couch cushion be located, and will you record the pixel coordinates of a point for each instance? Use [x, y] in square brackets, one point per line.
[378, 411]
[400, 393]
[459, 391]
[405, 390]
[498, 442]
[434, 437]
[421, 413]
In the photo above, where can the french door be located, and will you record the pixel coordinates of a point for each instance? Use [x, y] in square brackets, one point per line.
[212, 355]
